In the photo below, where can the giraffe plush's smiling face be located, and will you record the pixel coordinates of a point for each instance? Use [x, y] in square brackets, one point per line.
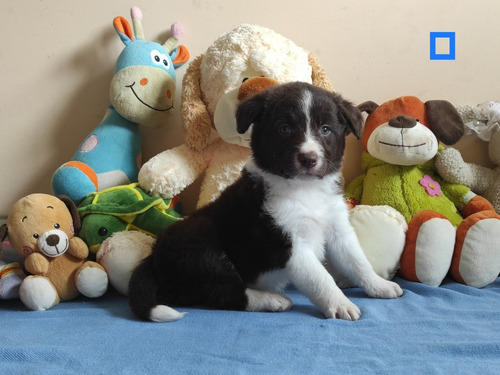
[143, 86]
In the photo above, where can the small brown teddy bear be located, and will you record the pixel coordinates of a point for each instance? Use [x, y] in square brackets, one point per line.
[41, 227]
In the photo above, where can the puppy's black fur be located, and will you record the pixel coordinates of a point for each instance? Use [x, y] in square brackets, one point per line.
[210, 258]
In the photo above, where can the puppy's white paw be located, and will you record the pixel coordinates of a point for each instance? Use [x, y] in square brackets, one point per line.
[346, 310]
[267, 301]
[382, 288]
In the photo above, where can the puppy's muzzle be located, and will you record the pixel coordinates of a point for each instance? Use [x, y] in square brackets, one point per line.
[308, 160]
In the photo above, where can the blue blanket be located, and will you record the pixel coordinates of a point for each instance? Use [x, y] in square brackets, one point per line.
[452, 329]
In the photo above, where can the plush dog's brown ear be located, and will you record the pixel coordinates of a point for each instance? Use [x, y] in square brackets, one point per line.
[367, 106]
[195, 117]
[249, 112]
[445, 121]
[349, 115]
[77, 223]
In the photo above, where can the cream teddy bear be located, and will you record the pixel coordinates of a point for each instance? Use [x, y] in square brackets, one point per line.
[485, 122]
[211, 91]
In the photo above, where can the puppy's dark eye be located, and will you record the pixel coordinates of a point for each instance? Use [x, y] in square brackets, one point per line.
[325, 130]
[285, 129]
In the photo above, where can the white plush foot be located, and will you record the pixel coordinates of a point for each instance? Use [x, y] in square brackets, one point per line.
[381, 231]
[345, 310]
[92, 282]
[479, 263]
[267, 301]
[121, 253]
[434, 250]
[38, 294]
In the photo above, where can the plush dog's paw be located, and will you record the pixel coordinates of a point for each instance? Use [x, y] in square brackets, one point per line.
[382, 288]
[267, 301]
[346, 310]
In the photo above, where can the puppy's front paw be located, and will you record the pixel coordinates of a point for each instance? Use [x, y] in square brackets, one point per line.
[384, 289]
[346, 310]
[267, 301]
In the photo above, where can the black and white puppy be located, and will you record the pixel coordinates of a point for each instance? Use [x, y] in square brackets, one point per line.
[274, 225]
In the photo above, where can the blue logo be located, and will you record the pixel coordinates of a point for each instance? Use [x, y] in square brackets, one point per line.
[451, 43]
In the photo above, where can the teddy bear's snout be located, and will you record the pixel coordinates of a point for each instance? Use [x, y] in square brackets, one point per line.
[52, 240]
[402, 122]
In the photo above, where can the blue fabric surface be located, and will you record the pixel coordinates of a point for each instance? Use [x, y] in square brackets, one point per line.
[453, 329]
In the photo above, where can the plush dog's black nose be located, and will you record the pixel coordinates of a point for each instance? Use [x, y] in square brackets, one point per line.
[52, 240]
[402, 121]
[308, 159]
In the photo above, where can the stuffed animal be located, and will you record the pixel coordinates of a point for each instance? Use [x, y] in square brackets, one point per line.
[485, 122]
[41, 227]
[450, 229]
[11, 273]
[122, 208]
[239, 63]
[142, 92]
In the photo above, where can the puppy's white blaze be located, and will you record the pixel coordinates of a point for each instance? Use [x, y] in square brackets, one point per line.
[306, 103]
[163, 313]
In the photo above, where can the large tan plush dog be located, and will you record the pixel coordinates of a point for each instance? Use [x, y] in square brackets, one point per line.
[211, 91]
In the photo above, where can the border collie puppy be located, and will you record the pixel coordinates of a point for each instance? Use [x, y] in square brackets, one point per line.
[273, 226]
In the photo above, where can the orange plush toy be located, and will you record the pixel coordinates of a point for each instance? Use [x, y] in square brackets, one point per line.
[450, 229]
[41, 227]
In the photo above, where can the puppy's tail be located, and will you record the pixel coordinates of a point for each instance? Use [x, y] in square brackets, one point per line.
[142, 295]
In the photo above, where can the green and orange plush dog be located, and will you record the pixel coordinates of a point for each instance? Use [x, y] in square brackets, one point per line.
[450, 229]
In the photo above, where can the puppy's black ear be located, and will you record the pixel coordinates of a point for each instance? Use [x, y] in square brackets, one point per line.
[350, 116]
[249, 112]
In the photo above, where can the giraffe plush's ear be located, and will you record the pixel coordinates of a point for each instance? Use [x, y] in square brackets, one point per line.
[179, 56]
[124, 30]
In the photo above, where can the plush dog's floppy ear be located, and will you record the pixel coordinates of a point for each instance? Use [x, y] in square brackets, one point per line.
[349, 115]
[196, 119]
[73, 211]
[367, 106]
[249, 112]
[445, 121]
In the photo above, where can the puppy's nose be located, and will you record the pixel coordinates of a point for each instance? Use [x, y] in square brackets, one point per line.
[308, 159]
[402, 121]
[52, 240]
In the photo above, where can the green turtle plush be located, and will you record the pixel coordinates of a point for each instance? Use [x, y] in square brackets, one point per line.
[124, 208]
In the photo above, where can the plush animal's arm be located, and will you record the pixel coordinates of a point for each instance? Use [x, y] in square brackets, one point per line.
[354, 190]
[36, 264]
[452, 167]
[78, 248]
[171, 171]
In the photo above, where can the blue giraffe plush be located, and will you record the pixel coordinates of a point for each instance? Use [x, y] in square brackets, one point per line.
[142, 92]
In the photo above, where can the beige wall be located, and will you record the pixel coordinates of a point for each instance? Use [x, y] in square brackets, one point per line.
[57, 59]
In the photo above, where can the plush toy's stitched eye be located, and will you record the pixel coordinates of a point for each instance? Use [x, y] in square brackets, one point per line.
[36, 236]
[244, 79]
[165, 62]
[325, 130]
[102, 231]
[57, 226]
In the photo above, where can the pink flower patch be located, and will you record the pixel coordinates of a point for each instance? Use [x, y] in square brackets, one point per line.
[431, 187]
